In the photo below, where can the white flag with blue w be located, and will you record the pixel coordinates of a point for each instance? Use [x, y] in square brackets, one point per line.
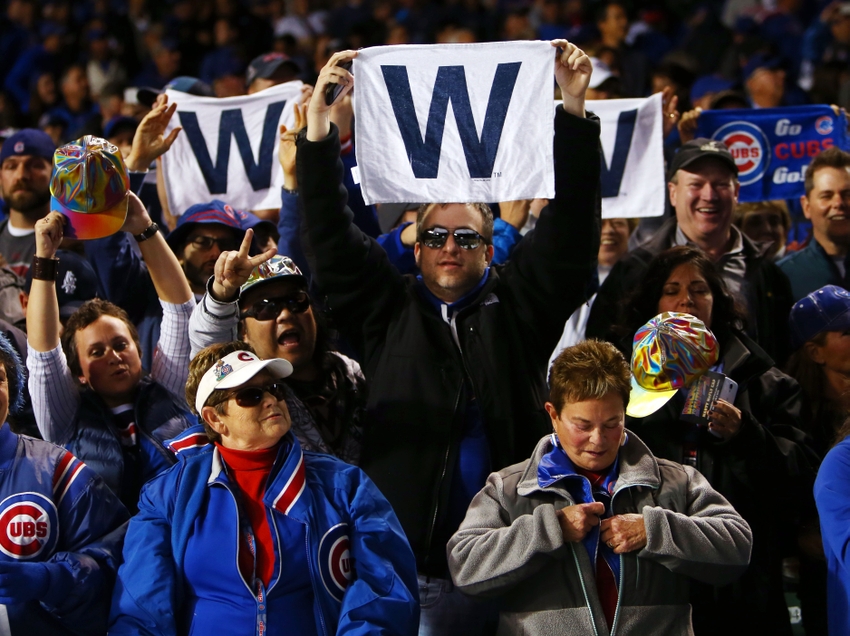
[228, 148]
[455, 122]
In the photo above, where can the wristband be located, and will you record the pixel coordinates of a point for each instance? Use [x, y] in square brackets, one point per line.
[152, 229]
[44, 268]
[293, 193]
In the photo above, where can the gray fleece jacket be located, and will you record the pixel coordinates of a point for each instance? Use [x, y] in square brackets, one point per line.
[511, 535]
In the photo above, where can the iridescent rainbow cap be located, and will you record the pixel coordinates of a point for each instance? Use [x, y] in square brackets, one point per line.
[669, 353]
[90, 186]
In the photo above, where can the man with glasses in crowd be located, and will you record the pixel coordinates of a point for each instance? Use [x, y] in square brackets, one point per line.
[456, 358]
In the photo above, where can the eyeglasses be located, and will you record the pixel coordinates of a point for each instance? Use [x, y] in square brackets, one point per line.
[270, 308]
[205, 243]
[251, 396]
[436, 237]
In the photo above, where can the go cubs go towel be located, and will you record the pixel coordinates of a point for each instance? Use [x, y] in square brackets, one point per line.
[774, 146]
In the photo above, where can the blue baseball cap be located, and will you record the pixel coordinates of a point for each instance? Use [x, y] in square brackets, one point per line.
[119, 124]
[266, 65]
[709, 84]
[184, 84]
[28, 142]
[216, 212]
[825, 309]
[760, 60]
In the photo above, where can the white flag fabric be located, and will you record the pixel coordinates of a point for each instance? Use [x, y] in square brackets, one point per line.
[455, 122]
[228, 148]
[632, 181]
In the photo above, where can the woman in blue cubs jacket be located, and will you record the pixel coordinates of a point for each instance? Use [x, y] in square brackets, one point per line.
[251, 535]
[60, 530]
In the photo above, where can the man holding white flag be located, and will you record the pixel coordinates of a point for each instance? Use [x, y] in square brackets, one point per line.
[455, 358]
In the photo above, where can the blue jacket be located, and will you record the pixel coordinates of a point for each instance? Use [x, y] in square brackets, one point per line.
[358, 568]
[159, 417]
[78, 528]
[809, 269]
[832, 495]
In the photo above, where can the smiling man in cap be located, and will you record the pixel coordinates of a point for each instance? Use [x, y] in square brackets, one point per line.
[703, 191]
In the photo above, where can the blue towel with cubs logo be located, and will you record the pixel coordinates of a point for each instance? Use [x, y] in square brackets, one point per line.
[774, 146]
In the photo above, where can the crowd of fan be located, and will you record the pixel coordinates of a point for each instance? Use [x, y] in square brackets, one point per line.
[416, 341]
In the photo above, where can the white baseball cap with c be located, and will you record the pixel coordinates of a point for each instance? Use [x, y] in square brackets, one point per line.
[235, 369]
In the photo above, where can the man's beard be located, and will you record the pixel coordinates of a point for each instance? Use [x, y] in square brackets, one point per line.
[197, 276]
[28, 201]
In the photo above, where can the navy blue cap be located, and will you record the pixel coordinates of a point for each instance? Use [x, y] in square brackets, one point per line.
[28, 142]
[119, 124]
[825, 309]
[264, 66]
[76, 282]
[760, 60]
[215, 212]
[184, 84]
[709, 84]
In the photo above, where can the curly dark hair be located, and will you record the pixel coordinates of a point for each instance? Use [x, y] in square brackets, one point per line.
[727, 314]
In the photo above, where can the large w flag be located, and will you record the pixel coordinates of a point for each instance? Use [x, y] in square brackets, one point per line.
[455, 122]
[774, 146]
[632, 177]
[228, 148]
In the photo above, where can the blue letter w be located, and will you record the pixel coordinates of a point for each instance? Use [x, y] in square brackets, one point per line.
[611, 177]
[231, 123]
[424, 156]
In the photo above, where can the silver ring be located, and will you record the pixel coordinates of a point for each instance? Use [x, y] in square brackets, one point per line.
[671, 115]
[611, 545]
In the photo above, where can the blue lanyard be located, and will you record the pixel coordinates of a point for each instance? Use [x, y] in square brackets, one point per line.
[256, 583]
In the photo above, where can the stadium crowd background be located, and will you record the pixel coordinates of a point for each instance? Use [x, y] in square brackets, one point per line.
[73, 68]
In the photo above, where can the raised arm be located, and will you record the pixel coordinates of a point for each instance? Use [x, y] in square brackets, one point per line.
[54, 395]
[550, 268]
[348, 266]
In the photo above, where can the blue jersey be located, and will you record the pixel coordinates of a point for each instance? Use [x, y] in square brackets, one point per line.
[342, 562]
[54, 509]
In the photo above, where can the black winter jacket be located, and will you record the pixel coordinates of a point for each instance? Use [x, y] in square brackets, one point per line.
[766, 472]
[415, 370]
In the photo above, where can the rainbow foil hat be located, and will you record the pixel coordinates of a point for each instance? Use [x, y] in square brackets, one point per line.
[669, 352]
[89, 186]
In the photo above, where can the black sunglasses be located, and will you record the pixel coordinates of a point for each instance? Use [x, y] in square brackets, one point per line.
[436, 237]
[270, 308]
[251, 396]
[206, 242]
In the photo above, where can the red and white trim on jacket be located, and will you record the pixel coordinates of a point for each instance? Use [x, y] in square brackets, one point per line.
[66, 472]
[194, 440]
[292, 490]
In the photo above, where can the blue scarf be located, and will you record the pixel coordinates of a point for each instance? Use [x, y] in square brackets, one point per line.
[556, 466]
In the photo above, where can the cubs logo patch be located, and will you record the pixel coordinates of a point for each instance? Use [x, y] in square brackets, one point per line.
[19, 147]
[750, 148]
[824, 125]
[29, 526]
[335, 562]
[221, 370]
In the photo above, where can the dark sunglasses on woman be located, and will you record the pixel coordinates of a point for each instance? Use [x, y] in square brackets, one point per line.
[251, 396]
[436, 237]
[270, 308]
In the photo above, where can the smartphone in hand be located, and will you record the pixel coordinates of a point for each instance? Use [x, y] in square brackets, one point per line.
[332, 91]
[703, 395]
